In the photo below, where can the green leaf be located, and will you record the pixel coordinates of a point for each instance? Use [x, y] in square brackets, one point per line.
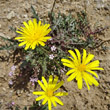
[35, 15]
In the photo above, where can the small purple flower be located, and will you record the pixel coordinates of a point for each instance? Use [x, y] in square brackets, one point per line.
[32, 84]
[12, 103]
[50, 39]
[10, 82]
[51, 56]
[53, 48]
[10, 73]
[33, 80]
[13, 68]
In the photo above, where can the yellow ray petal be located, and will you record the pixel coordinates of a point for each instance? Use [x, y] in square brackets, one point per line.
[33, 45]
[49, 105]
[73, 55]
[27, 46]
[67, 61]
[84, 56]
[92, 72]
[40, 83]
[86, 83]
[93, 64]
[30, 24]
[41, 43]
[17, 38]
[50, 79]
[93, 80]
[40, 97]
[61, 94]
[44, 101]
[68, 65]
[44, 81]
[22, 43]
[97, 69]
[58, 85]
[39, 93]
[79, 55]
[58, 101]
[26, 25]
[79, 75]
[35, 23]
[47, 37]
[71, 77]
[19, 32]
[55, 81]
[53, 101]
[80, 83]
[39, 23]
[70, 71]
[89, 58]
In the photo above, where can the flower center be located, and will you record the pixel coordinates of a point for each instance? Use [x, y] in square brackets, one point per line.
[82, 67]
[49, 93]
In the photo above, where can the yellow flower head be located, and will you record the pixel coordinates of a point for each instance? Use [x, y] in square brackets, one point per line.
[33, 34]
[81, 68]
[49, 89]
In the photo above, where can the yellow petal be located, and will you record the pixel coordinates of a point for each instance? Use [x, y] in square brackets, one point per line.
[92, 72]
[26, 25]
[53, 101]
[71, 77]
[86, 83]
[70, 71]
[49, 105]
[41, 43]
[79, 55]
[17, 38]
[42, 86]
[44, 81]
[61, 94]
[30, 23]
[39, 93]
[55, 81]
[33, 45]
[80, 83]
[40, 97]
[50, 79]
[68, 65]
[23, 43]
[89, 58]
[35, 23]
[47, 37]
[58, 101]
[39, 23]
[84, 56]
[19, 32]
[66, 61]
[58, 85]
[90, 79]
[73, 55]
[97, 69]
[93, 80]
[93, 64]
[44, 101]
[27, 46]
[78, 75]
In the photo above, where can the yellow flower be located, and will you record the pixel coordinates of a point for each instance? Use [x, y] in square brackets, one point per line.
[49, 89]
[33, 34]
[81, 68]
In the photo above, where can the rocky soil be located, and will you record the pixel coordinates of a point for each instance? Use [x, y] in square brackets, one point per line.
[14, 12]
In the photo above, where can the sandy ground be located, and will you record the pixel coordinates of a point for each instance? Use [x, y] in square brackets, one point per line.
[14, 12]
